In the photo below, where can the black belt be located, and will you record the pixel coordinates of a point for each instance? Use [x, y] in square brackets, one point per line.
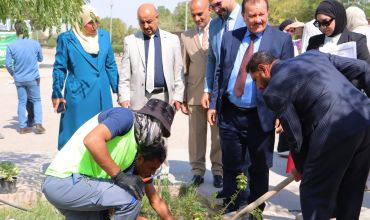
[245, 110]
[159, 90]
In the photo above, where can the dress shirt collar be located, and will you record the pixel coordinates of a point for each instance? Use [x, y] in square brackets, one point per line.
[234, 14]
[156, 34]
[248, 34]
[201, 30]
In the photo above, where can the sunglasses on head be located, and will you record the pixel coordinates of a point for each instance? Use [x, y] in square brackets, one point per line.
[216, 5]
[319, 24]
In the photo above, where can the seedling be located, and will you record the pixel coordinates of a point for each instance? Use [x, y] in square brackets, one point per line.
[8, 170]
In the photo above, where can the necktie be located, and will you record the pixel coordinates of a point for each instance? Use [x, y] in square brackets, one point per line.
[150, 66]
[242, 75]
[226, 27]
[205, 39]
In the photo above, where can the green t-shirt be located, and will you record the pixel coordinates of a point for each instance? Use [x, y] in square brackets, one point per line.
[75, 158]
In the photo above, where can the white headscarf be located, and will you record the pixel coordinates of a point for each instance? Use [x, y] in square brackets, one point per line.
[89, 43]
[355, 18]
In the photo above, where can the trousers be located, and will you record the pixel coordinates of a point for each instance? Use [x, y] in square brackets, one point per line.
[79, 197]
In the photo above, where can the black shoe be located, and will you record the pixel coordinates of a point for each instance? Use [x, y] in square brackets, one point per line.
[217, 181]
[220, 195]
[251, 217]
[231, 207]
[197, 180]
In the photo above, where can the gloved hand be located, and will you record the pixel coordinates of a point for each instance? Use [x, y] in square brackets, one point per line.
[132, 183]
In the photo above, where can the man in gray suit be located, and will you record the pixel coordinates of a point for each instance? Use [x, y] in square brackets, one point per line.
[195, 43]
[151, 65]
[229, 18]
[327, 121]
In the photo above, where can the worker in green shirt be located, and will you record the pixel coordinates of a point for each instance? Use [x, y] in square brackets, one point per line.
[107, 162]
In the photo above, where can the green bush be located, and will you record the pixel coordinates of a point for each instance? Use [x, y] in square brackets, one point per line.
[51, 42]
[117, 48]
[8, 170]
[41, 210]
[187, 204]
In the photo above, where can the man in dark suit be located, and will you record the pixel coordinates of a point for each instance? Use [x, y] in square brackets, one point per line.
[327, 120]
[246, 124]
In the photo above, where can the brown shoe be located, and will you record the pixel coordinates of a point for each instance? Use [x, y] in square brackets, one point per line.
[39, 129]
[25, 130]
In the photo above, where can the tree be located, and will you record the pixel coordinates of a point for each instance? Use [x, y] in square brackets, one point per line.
[119, 32]
[301, 10]
[42, 13]
[179, 15]
[166, 19]
[118, 29]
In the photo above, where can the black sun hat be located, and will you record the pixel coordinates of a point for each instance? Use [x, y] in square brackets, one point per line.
[162, 111]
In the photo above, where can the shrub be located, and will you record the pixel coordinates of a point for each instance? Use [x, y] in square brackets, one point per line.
[8, 170]
[117, 48]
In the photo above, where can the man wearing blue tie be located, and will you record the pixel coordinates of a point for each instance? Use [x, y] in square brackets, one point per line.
[246, 124]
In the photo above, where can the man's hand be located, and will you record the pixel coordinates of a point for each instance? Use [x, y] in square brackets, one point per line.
[278, 127]
[56, 102]
[132, 183]
[297, 175]
[185, 108]
[125, 104]
[211, 116]
[205, 100]
[177, 104]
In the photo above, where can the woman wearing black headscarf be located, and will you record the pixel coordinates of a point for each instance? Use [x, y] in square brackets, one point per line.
[331, 20]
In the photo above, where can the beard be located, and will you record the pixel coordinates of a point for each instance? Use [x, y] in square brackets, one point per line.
[147, 130]
[225, 15]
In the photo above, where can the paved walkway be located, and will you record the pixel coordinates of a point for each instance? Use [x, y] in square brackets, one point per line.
[32, 152]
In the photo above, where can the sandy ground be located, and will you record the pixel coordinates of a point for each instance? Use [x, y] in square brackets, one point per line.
[32, 152]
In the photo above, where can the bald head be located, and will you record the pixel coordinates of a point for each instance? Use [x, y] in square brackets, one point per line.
[148, 18]
[200, 12]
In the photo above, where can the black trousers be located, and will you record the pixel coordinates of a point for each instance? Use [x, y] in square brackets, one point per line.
[247, 149]
[333, 181]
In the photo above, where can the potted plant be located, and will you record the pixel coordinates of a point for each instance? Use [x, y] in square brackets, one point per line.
[8, 177]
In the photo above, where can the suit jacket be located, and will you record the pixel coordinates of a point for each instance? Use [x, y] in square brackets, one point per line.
[361, 44]
[215, 33]
[131, 85]
[278, 43]
[195, 60]
[317, 105]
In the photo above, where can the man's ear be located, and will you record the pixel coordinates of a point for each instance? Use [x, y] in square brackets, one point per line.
[140, 159]
[265, 68]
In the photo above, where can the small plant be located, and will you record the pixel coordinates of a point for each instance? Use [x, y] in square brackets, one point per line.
[186, 205]
[257, 214]
[8, 170]
[242, 183]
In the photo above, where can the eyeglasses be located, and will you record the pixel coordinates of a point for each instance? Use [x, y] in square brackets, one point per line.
[319, 24]
[216, 5]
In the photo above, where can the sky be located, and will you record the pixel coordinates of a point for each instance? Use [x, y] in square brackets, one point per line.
[126, 9]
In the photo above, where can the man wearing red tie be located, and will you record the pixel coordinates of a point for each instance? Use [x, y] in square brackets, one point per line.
[246, 124]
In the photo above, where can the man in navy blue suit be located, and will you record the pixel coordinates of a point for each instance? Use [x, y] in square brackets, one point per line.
[246, 124]
[327, 120]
